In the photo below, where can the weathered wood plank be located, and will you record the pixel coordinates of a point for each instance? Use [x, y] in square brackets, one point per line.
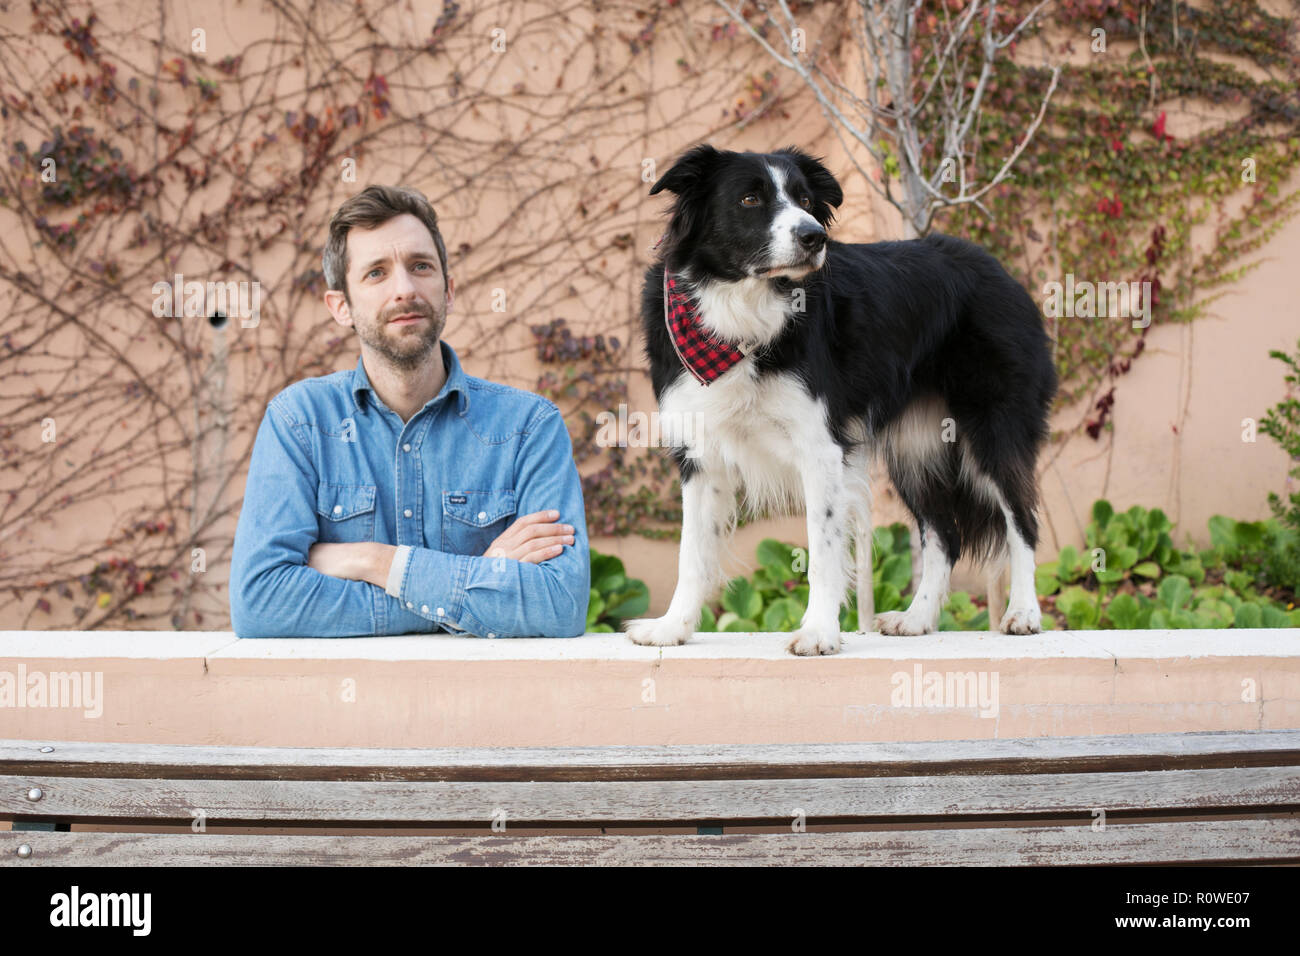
[1031, 755]
[781, 800]
[1271, 840]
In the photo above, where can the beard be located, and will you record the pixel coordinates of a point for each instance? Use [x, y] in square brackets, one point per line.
[403, 347]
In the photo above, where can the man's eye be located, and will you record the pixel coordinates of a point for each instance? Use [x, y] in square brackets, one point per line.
[424, 264]
[750, 199]
[805, 202]
[372, 272]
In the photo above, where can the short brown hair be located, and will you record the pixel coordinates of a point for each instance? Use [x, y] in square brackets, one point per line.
[372, 207]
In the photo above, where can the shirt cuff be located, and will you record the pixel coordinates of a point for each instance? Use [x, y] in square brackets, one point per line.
[398, 570]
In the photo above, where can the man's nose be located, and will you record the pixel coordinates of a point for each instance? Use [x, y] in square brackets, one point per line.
[403, 285]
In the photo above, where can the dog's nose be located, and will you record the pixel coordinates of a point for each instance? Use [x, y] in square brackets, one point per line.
[811, 237]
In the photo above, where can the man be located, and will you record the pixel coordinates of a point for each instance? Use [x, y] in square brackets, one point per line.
[388, 499]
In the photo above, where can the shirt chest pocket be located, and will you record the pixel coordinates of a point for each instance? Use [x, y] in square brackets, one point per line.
[346, 513]
[472, 520]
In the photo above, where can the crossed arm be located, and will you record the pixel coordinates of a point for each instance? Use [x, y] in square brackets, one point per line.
[533, 538]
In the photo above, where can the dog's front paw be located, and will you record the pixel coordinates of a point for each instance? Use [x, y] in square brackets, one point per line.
[811, 641]
[657, 631]
[1022, 620]
[898, 623]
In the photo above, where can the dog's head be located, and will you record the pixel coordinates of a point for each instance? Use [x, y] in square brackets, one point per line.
[757, 215]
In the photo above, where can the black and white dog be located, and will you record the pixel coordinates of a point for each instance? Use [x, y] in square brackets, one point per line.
[782, 361]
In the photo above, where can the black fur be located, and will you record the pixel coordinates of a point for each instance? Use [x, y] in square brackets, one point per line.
[884, 323]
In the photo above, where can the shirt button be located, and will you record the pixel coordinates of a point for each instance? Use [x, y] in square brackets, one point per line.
[407, 512]
[424, 608]
[482, 515]
[338, 509]
[441, 612]
[491, 635]
[406, 447]
[409, 605]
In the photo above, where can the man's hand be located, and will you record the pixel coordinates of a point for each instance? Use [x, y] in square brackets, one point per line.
[360, 561]
[535, 538]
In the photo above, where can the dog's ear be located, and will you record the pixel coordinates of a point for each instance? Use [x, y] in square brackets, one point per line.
[694, 165]
[826, 189]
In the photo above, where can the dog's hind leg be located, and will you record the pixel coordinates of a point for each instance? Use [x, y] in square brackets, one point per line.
[1023, 615]
[922, 615]
[707, 505]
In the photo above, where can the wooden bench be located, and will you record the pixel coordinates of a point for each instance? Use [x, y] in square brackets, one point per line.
[1166, 798]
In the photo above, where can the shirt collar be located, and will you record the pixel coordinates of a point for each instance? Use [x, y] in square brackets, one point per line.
[457, 381]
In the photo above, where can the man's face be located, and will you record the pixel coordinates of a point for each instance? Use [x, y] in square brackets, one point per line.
[395, 287]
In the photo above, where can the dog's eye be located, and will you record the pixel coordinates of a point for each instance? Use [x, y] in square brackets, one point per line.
[805, 202]
[750, 199]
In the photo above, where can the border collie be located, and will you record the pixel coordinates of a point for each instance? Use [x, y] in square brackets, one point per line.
[782, 361]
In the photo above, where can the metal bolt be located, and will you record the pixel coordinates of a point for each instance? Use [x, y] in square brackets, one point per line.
[24, 851]
[47, 750]
[35, 794]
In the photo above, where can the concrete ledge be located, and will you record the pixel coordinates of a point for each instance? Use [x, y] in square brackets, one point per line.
[602, 690]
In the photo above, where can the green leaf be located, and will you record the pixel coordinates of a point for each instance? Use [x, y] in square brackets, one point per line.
[742, 625]
[1147, 569]
[1045, 580]
[1101, 512]
[1274, 617]
[897, 570]
[1174, 591]
[882, 543]
[595, 607]
[604, 565]
[1223, 533]
[1070, 564]
[1079, 607]
[1123, 558]
[1158, 521]
[887, 597]
[708, 622]
[782, 615]
[609, 583]
[1248, 615]
[741, 598]
[1123, 612]
[629, 603]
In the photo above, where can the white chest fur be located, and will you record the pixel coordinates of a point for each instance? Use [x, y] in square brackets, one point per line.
[749, 312]
[759, 432]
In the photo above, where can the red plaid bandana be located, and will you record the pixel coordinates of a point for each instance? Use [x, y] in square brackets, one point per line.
[704, 356]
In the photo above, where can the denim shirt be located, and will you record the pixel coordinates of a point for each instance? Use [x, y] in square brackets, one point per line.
[332, 463]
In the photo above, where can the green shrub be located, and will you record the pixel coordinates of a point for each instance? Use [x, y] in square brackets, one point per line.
[1103, 587]
[614, 596]
[1281, 562]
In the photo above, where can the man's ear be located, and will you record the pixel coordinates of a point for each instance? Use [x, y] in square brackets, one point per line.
[695, 164]
[451, 291]
[337, 303]
[826, 189]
